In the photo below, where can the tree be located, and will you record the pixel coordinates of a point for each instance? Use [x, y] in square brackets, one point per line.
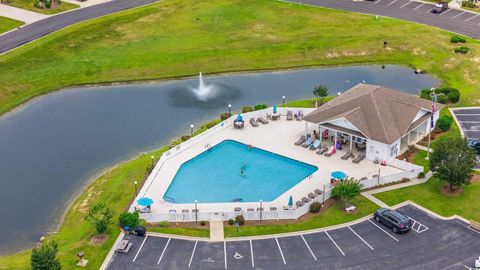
[44, 257]
[452, 161]
[129, 219]
[321, 92]
[100, 216]
[347, 190]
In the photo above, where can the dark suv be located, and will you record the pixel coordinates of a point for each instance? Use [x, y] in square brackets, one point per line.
[474, 144]
[393, 219]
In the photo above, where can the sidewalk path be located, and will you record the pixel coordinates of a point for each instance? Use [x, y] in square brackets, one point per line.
[216, 230]
[20, 14]
[87, 3]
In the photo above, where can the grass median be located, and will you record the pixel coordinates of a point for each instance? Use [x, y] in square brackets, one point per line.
[7, 24]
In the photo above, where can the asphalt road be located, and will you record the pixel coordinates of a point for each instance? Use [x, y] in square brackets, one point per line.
[431, 244]
[41, 28]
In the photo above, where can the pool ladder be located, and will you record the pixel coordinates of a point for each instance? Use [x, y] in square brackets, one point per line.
[207, 146]
[168, 199]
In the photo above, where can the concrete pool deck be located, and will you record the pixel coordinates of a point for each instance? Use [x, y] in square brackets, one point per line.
[276, 136]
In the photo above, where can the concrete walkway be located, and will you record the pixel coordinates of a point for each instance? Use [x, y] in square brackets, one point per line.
[21, 14]
[216, 230]
[87, 3]
[424, 148]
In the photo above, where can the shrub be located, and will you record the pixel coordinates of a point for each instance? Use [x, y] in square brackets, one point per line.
[469, 4]
[442, 99]
[231, 222]
[164, 224]
[203, 223]
[444, 122]
[240, 220]
[444, 94]
[185, 137]
[100, 215]
[212, 123]
[38, 4]
[224, 116]
[129, 219]
[260, 107]
[48, 3]
[247, 109]
[315, 207]
[421, 175]
[457, 39]
[453, 96]
[462, 49]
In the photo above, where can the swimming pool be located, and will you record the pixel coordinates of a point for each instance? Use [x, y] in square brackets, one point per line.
[232, 171]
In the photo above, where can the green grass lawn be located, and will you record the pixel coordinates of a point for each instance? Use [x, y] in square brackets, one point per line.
[184, 37]
[203, 232]
[306, 103]
[7, 24]
[420, 159]
[332, 216]
[429, 196]
[29, 5]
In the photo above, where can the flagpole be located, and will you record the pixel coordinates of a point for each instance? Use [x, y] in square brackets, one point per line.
[434, 99]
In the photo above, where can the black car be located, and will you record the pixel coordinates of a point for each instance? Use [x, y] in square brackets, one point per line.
[393, 219]
[440, 7]
[474, 144]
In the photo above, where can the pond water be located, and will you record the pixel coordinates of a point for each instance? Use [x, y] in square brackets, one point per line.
[52, 145]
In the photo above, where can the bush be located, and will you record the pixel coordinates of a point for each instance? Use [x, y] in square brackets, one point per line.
[38, 4]
[457, 39]
[260, 107]
[203, 223]
[129, 219]
[48, 3]
[185, 137]
[240, 220]
[442, 99]
[231, 222]
[469, 4]
[100, 215]
[164, 224]
[462, 49]
[315, 207]
[421, 175]
[453, 96]
[444, 95]
[444, 122]
[224, 116]
[247, 109]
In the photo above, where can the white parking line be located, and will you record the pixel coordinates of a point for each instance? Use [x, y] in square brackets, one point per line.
[392, 3]
[448, 10]
[419, 6]
[458, 15]
[193, 252]
[360, 238]
[469, 122]
[281, 252]
[377, 2]
[383, 230]
[457, 114]
[251, 252]
[225, 253]
[341, 251]
[406, 4]
[140, 248]
[472, 17]
[313, 255]
[471, 130]
[428, 11]
[421, 228]
[163, 252]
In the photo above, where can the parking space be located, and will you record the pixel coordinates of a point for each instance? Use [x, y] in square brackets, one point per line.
[431, 244]
[469, 120]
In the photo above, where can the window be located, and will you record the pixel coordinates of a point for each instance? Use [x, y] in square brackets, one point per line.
[393, 150]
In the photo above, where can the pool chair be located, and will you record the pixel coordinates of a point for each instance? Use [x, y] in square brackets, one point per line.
[359, 157]
[330, 152]
[237, 209]
[289, 115]
[348, 155]
[312, 195]
[315, 145]
[307, 143]
[363, 178]
[305, 200]
[299, 204]
[301, 140]
[250, 210]
[273, 208]
[253, 122]
[321, 150]
[262, 120]
[318, 191]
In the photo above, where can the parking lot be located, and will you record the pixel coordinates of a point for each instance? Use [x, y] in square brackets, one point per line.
[432, 244]
[469, 121]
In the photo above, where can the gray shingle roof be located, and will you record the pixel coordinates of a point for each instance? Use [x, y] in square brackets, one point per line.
[381, 114]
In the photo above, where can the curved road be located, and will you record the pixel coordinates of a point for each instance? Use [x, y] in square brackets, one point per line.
[466, 23]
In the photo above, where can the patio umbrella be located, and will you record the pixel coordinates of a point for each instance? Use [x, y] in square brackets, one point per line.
[274, 108]
[290, 201]
[145, 201]
[339, 175]
[239, 118]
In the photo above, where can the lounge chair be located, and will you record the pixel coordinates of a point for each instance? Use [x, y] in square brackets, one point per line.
[363, 178]
[262, 120]
[305, 200]
[318, 191]
[359, 157]
[289, 115]
[250, 210]
[237, 209]
[299, 116]
[273, 208]
[253, 122]
[301, 140]
[307, 143]
[299, 204]
[348, 155]
[312, 195]
[315, 145]
[330, 152]
[321, 150]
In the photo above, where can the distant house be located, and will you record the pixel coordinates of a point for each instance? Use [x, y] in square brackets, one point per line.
[375, 119]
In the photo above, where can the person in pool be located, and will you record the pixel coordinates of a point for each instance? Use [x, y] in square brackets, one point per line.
[242, 170]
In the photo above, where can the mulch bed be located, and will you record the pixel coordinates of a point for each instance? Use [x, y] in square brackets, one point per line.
[99, 239]
[445, 189]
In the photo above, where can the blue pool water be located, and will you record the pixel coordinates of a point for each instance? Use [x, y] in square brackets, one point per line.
[215, 175]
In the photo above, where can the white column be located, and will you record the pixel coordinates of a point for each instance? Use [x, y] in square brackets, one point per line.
[306, 128]
[320, 133]
[418, 130]
[351, 139]
[408, 140]
[335, 142]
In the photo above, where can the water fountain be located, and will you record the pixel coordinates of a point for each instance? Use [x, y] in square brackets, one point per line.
[204, 92]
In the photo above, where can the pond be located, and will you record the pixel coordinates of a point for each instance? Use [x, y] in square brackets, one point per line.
[51, 146]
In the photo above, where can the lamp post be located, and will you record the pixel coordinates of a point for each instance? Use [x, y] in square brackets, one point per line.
[261, 201]
[152, 158]
[229, 110]
[136, 188]
[196, 211]
[191, 130]
[283, 98]
[434, 99]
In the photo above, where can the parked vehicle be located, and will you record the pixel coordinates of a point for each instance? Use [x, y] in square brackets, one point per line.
[474, 144]
[440, 7]
[393, 219]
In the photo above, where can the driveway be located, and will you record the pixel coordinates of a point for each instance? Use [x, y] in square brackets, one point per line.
[432, 244]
